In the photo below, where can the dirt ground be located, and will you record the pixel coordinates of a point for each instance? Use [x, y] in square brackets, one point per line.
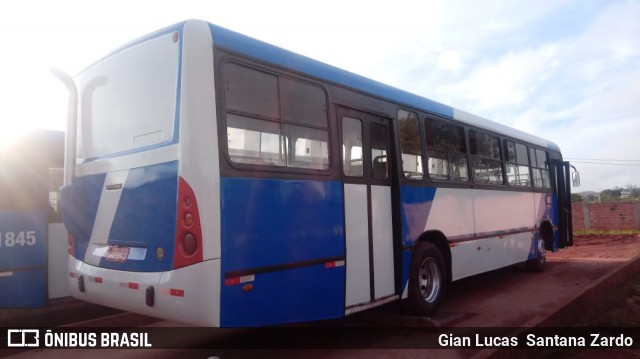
[507, 298]
[623, 306]
[600, 248]
[515, 297]
[620, 307]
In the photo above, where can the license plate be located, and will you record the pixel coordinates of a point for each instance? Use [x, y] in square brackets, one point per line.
[117, 254]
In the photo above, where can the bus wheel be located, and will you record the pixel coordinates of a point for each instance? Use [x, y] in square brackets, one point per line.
[427, 279]
[537, 264]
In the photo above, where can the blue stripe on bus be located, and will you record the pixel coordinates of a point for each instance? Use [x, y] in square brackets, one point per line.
[287, 296]
[415, 207]
[271, 222]
[146, 217]
[79, 206]
[267, 222]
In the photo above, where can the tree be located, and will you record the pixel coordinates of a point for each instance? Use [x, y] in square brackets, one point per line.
[591, 198]
[634, 192]
[576, 198]
[611, 194]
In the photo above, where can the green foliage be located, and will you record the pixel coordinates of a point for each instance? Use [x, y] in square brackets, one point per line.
[629, 193]
[613, 232]
[591, 198]
[611, 194]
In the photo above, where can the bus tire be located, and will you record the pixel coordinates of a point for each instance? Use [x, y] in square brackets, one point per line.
[538, 263]
[427, 280]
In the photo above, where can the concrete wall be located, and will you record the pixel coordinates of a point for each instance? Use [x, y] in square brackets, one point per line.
[606, 216]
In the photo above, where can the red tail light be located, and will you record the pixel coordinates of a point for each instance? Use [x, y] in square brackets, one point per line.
[188, 246]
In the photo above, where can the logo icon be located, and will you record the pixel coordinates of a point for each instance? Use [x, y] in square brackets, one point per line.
[23, 338]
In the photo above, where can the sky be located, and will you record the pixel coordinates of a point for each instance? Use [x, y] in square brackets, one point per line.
[564, 70]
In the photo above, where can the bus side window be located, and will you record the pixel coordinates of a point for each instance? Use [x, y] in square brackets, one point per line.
[485, 158]
[446, 151]
[305, 105]
[310, 147]
[540, 168]
[517, 164]
[379, 151]
[255, 141]
[410, 144]
[352, 159]
[274, 120]
[251, 92]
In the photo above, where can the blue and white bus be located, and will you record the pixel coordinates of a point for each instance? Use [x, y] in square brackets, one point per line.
[223, 181]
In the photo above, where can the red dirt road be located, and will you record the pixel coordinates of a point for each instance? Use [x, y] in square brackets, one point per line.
[510, 297]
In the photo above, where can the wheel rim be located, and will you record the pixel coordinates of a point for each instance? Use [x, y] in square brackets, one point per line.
[429, 279]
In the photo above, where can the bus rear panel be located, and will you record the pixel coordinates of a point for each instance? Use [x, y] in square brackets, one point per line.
[133, 211]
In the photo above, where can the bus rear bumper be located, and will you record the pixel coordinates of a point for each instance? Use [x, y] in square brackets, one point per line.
[188, 295]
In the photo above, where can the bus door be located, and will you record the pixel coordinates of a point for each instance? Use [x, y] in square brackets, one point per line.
[367, 207]
[560, 173]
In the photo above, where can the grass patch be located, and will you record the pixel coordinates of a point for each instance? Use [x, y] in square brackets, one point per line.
[599, 232]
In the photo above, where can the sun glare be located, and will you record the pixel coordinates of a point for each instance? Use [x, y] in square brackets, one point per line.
[38, 102]
[10, 133]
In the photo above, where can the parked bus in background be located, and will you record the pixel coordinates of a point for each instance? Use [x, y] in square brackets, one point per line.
[222, 181]
[30, 179]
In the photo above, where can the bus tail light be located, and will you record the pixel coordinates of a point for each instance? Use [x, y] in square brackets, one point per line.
[188, 246]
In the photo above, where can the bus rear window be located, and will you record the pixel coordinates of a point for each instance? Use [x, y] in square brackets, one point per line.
[128, 100]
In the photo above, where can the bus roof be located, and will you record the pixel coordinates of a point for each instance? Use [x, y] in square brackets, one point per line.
[263, 51]
[250, 47]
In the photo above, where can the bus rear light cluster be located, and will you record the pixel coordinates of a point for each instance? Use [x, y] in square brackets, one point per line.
[188, 246]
